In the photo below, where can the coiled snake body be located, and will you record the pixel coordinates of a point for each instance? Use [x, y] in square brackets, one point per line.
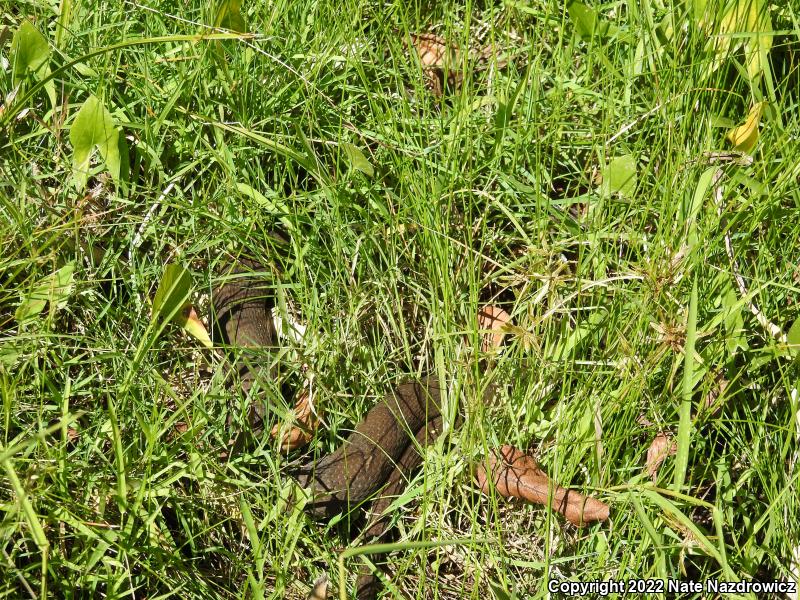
[380, 454]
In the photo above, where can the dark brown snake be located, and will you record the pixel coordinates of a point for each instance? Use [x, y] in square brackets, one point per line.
[382, 452]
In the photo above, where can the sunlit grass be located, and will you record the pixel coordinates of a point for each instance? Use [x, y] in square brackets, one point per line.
[115, 481]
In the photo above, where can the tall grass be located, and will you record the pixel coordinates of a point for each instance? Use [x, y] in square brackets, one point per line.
[113, 433]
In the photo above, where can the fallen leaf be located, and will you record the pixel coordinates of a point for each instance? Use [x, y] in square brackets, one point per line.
[437, 59]
[661, 447]
[72, 435]
[304, 423]
[492, 321]
[516, 474]
[433, 51]
[441, 61]
[745, 137]
[191, 323]
[319, 590]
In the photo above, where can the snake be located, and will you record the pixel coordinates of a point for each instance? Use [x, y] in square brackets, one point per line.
[380, 454]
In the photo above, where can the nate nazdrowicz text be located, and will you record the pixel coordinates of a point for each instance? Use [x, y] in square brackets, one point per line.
[667, 586]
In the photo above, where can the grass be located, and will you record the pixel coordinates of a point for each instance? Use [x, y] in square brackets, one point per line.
[499, 192]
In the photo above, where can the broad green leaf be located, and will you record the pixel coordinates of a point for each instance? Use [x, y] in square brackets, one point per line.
[588, 22]
[172, 293]
[29, 51]
[250, 525]
[65, 14]
[357, 159]
[584, 18]
[85, 70]
[757, 188]
[499, 591]
[619, 176]
[665, 30]
[92, 128]
[793, 337]
[9, 354]
[29, 56]
[229, 16]
[54, 288]
[745, 137]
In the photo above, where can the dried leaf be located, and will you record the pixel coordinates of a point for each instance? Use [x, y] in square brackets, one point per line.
[441, 61]
[433, 51]
[661, 447]
[516, 474]
[319, 590]
[304, 423]
[191, 323]
[72, 435]
[492, 321]
[437, 59]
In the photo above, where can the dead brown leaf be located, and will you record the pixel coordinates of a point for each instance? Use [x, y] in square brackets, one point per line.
[516, 474]
[305, 423]
[492, 322]
[72, 435]
[433, 51]
[319, 589]
[438, 60]
[435, 57]
[441, 61]
[660, 448]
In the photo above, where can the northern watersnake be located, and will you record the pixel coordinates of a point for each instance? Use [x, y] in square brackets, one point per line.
[380, 454]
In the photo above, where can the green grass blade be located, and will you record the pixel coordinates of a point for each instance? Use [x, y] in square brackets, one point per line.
[685, 425]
